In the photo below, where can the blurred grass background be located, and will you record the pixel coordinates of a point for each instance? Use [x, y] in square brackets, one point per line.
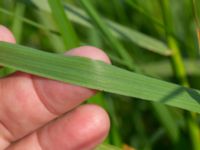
[157, 38]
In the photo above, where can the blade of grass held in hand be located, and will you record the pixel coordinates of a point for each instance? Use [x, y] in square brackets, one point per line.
[97, 75]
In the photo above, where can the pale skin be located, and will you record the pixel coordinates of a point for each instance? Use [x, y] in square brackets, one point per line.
[42, 114]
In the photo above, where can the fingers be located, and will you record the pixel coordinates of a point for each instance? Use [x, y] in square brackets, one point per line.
[83, 128]
[59, 97]
[90, 52]
[6, 35]
[33, 101]
[29, 102]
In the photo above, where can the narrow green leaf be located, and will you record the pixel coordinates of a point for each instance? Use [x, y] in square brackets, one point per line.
[196, 18]
[121, 32]
[179, 68]
[28, 21]
[100, 24]
[77, 15]
[55, 40]
[167, 120]
[64, 24]
[97, 75]
[115, 136]
[139, 9]
[164, 69]
[18, 23]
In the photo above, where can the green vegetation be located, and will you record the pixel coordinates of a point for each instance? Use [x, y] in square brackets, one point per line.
[153, 46]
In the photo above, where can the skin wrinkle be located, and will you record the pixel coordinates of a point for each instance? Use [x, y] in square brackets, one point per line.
[6, 134]
[38, 141]
[64, 127]
[30, 142]
[43, 103]
[71, 100]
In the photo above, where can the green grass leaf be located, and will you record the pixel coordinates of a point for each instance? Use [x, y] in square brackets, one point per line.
[164, 70]
[103, 28]
[17, 26]
[55, 40]
[77, 15]
[167, 120]
[97, 75]
[64, 25]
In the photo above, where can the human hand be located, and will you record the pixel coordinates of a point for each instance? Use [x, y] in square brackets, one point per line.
[40, 114]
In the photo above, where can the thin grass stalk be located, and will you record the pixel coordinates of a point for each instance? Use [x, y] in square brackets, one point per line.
[196, 18]
[120, 11]
[64, 25]
[102, 26]
[141, 130]
[140, 10]
[168, 122]
[195, 13]
[176, 58]
[55, 40]
[115, 137]
[179, 70]
[17, 25]
[28, 21]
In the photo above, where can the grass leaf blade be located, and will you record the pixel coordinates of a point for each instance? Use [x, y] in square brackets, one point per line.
[97, 75]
